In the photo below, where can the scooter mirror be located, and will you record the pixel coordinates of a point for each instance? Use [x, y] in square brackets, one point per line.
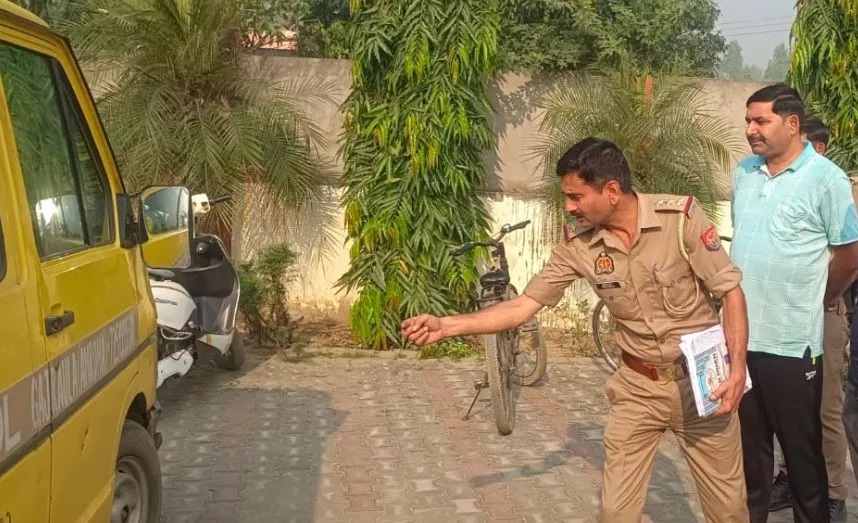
[168, 221]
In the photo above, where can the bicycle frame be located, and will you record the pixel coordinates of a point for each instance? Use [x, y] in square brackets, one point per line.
[495, 282]
[501, 361]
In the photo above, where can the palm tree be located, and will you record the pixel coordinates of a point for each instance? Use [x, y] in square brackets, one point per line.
[673, 144]
[185, 102]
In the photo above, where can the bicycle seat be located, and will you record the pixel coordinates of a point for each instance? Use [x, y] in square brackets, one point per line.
[495, 278]
[161, 274]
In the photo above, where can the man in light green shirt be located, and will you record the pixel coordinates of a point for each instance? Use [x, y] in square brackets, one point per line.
[792, 213]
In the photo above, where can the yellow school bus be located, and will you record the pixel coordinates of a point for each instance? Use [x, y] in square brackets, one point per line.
[78, 412]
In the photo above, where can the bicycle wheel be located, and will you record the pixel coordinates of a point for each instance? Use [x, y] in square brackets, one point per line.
[603, 335]
[499, 368]
[531, 357]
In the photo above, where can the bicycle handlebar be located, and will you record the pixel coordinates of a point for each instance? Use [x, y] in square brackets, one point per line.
[506, 229]
[220, 199]
[509, 228]
[465, 247]
[460, 250]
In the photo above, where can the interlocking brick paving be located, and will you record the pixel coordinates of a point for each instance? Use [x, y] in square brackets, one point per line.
[382, 440]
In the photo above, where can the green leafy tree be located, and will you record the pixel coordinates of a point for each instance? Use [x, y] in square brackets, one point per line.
[659, 34]
[185, 103]
[549, 34]
[416, 127]
[568, 34]
[753, 72]
[732, 64]
[778, 67]
[823, 69]
[540, 35]
[733, 67]
[673, 144]
[324, 31]
[268, 19]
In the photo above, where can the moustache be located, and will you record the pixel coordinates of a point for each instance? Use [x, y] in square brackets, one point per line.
[756, 139]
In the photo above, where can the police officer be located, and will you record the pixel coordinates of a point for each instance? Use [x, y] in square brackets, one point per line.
[656, 261]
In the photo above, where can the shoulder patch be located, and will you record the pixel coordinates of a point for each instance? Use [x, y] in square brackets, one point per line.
[570, 231]
[710, 239]
[675, 204]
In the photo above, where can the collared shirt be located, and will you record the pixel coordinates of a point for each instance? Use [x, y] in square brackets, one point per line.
[783, 226]
[653, 293]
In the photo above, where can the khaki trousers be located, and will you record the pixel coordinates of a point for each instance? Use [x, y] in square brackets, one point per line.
[835, 338]
[641, 411]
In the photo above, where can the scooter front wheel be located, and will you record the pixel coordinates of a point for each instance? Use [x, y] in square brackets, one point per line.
[234, 359]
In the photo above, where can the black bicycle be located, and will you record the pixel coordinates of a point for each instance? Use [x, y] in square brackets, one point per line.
[509, 362]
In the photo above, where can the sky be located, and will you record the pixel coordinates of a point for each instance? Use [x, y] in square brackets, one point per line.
[758, 25]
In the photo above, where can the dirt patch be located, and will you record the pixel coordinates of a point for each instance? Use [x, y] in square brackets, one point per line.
[323, 333]
[326, 333]
[329, 336]
[570, 344]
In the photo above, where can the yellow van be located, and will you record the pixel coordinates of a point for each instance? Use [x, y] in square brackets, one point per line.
[78, 412]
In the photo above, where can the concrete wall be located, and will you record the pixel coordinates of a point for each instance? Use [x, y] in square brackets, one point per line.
[511, 196]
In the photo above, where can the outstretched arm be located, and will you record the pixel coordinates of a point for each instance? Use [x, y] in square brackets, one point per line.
[427, 329]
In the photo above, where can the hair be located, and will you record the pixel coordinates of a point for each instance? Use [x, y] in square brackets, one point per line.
[785, 101]
[815, 130]
[597, 162]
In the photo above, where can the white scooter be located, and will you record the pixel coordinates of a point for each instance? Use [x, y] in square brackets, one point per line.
[197, 305]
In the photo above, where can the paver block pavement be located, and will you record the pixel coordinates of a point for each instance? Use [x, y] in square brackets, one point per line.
[383, 441]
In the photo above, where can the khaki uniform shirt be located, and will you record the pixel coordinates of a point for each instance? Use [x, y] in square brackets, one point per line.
[650, 289]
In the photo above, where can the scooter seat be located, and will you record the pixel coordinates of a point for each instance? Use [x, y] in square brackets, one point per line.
[161, 274]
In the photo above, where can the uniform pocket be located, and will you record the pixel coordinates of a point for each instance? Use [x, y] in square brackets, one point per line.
[619, 297]
[613, 386]
[677, 287]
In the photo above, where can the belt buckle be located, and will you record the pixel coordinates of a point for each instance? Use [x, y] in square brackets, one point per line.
[668, 373]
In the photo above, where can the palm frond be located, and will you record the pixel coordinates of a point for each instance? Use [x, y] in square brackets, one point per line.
[185, 103]
[673, 144]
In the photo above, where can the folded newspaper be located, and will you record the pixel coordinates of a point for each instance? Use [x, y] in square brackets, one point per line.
[708, 366]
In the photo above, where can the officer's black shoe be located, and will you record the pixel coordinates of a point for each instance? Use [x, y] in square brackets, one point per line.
[837, 510]
[781, 496]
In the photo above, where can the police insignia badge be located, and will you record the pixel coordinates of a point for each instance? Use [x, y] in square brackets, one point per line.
[604, 264]
[710, 239]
